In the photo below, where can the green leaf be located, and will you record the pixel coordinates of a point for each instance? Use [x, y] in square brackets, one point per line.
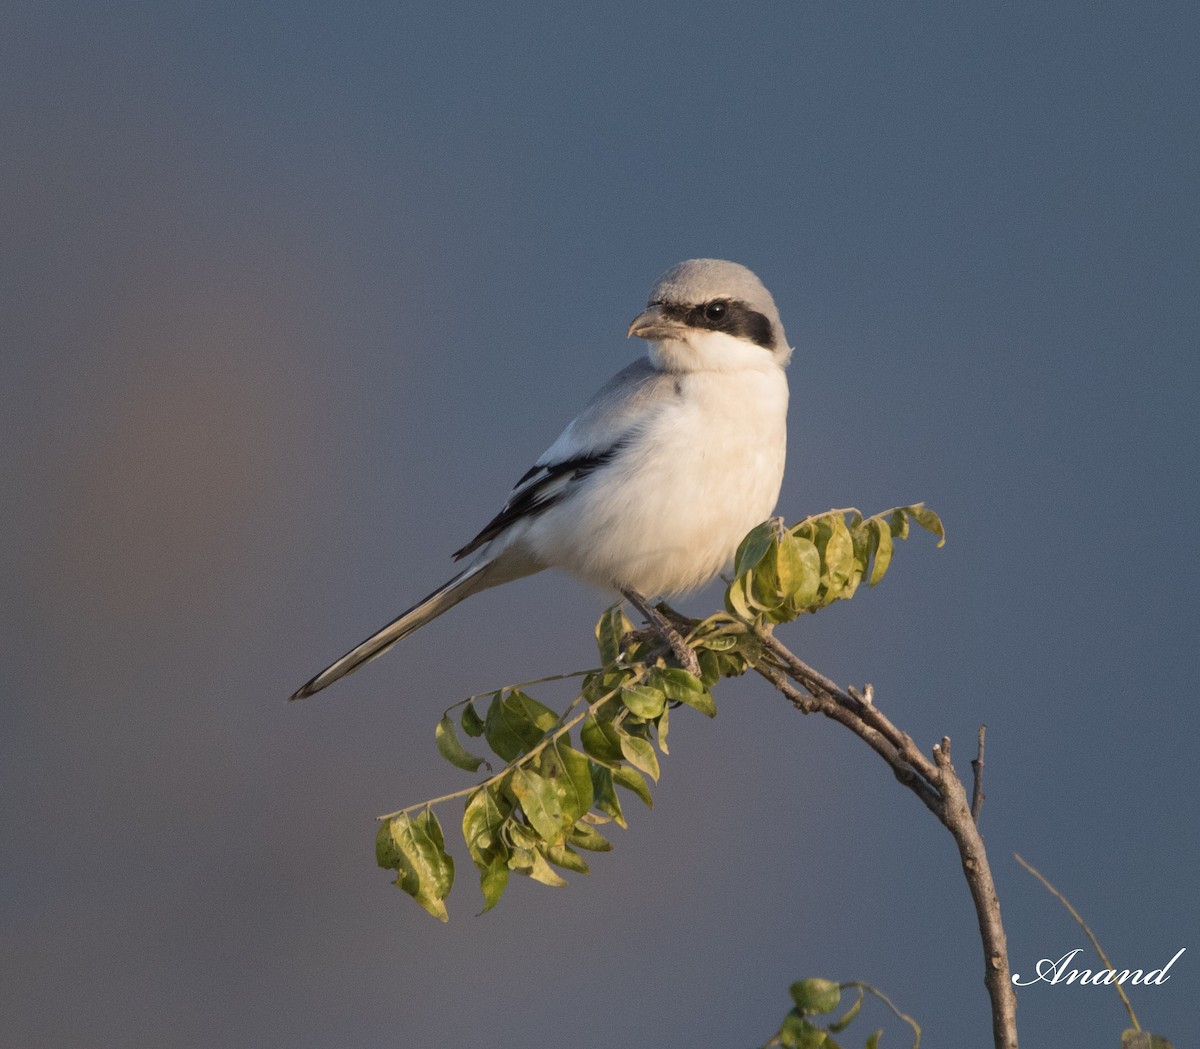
[601, 685]
[540, 870]
[928, 520]
[763, 591]
[839, 558]
[522, 836]
[492, 881]
[587, 837]
[612, 626]
[1143, 1040]
[644, 701]
[516, 722]
[605, 795]
[737, 600]
[881, 536]
[568, 770]
[557, 794]
[678, 684]
[732, 664]
[753, 548]
[632, 780]
[797, 1033]
[472, 723]
[798, 570]
[415, 849]
[873, 1039]
[815, 995]
[640, 754]
[664, 728]
[567, 858]
[450, 748]
[710, 666]
[483, 818]
[599, 738]
[521, 860]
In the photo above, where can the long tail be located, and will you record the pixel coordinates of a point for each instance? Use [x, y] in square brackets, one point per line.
[463, 585]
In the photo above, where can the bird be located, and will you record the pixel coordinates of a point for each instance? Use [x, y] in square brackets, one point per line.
[651, 488]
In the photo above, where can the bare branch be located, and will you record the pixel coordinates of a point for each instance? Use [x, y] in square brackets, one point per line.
[977, 795]
[1084, 926]
[940, 790]
[831, 708]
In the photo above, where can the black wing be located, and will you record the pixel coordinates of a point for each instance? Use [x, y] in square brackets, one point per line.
[538, 490]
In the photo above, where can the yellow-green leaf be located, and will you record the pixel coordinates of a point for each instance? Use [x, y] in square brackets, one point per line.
[557, 793]
[483, 817]
[612, 626]
[815, 995]
[415, 849]
[754, 547]
[643, 701]
[472, 723]
[567, 858]
[492, 881]
[516, 722]
[584, 836]
[882, 536]
[631, 779]
[929, 520]
[640, 754]
[677, 684]
[540, 870]
[605, 795]
[451, 749]
[599, 738]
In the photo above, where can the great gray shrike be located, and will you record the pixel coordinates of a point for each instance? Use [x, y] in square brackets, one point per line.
[651, 488]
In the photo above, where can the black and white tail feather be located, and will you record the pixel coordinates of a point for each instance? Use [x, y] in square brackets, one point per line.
[540, 488]
[651, 488]
[445, 597]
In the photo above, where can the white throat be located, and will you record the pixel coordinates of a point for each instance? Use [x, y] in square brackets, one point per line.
[702, 351]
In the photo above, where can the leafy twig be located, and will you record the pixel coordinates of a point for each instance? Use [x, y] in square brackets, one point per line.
[564, 726]
[860, 986]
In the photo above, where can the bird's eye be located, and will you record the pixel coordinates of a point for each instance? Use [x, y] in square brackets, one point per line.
[715, 312]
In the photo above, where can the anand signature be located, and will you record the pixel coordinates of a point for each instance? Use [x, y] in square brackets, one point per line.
[1055, 972]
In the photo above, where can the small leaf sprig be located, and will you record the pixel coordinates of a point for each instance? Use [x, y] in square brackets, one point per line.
[815, 997]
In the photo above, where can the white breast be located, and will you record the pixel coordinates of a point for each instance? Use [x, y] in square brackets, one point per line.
[668, 515]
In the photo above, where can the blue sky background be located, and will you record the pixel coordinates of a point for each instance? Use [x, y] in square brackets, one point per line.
[292, 293]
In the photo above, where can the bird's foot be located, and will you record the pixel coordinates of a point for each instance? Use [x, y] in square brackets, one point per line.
[680, 649]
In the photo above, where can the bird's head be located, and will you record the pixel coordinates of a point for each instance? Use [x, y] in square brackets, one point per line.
[711, 315]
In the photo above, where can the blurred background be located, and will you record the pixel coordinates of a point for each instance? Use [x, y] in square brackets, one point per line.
[292, 293]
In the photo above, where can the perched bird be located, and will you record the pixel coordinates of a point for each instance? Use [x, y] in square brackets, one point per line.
[651, 488]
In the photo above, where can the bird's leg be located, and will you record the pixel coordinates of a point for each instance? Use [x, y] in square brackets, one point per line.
[678, 620]
[680, 648]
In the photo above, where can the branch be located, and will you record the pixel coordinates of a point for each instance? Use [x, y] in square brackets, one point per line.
[565, 724]
[938, 787]
[831, 708]
[977, 795]
[681, 650]
[1083, 925]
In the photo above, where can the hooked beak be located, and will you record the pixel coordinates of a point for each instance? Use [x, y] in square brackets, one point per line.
[652, 323]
